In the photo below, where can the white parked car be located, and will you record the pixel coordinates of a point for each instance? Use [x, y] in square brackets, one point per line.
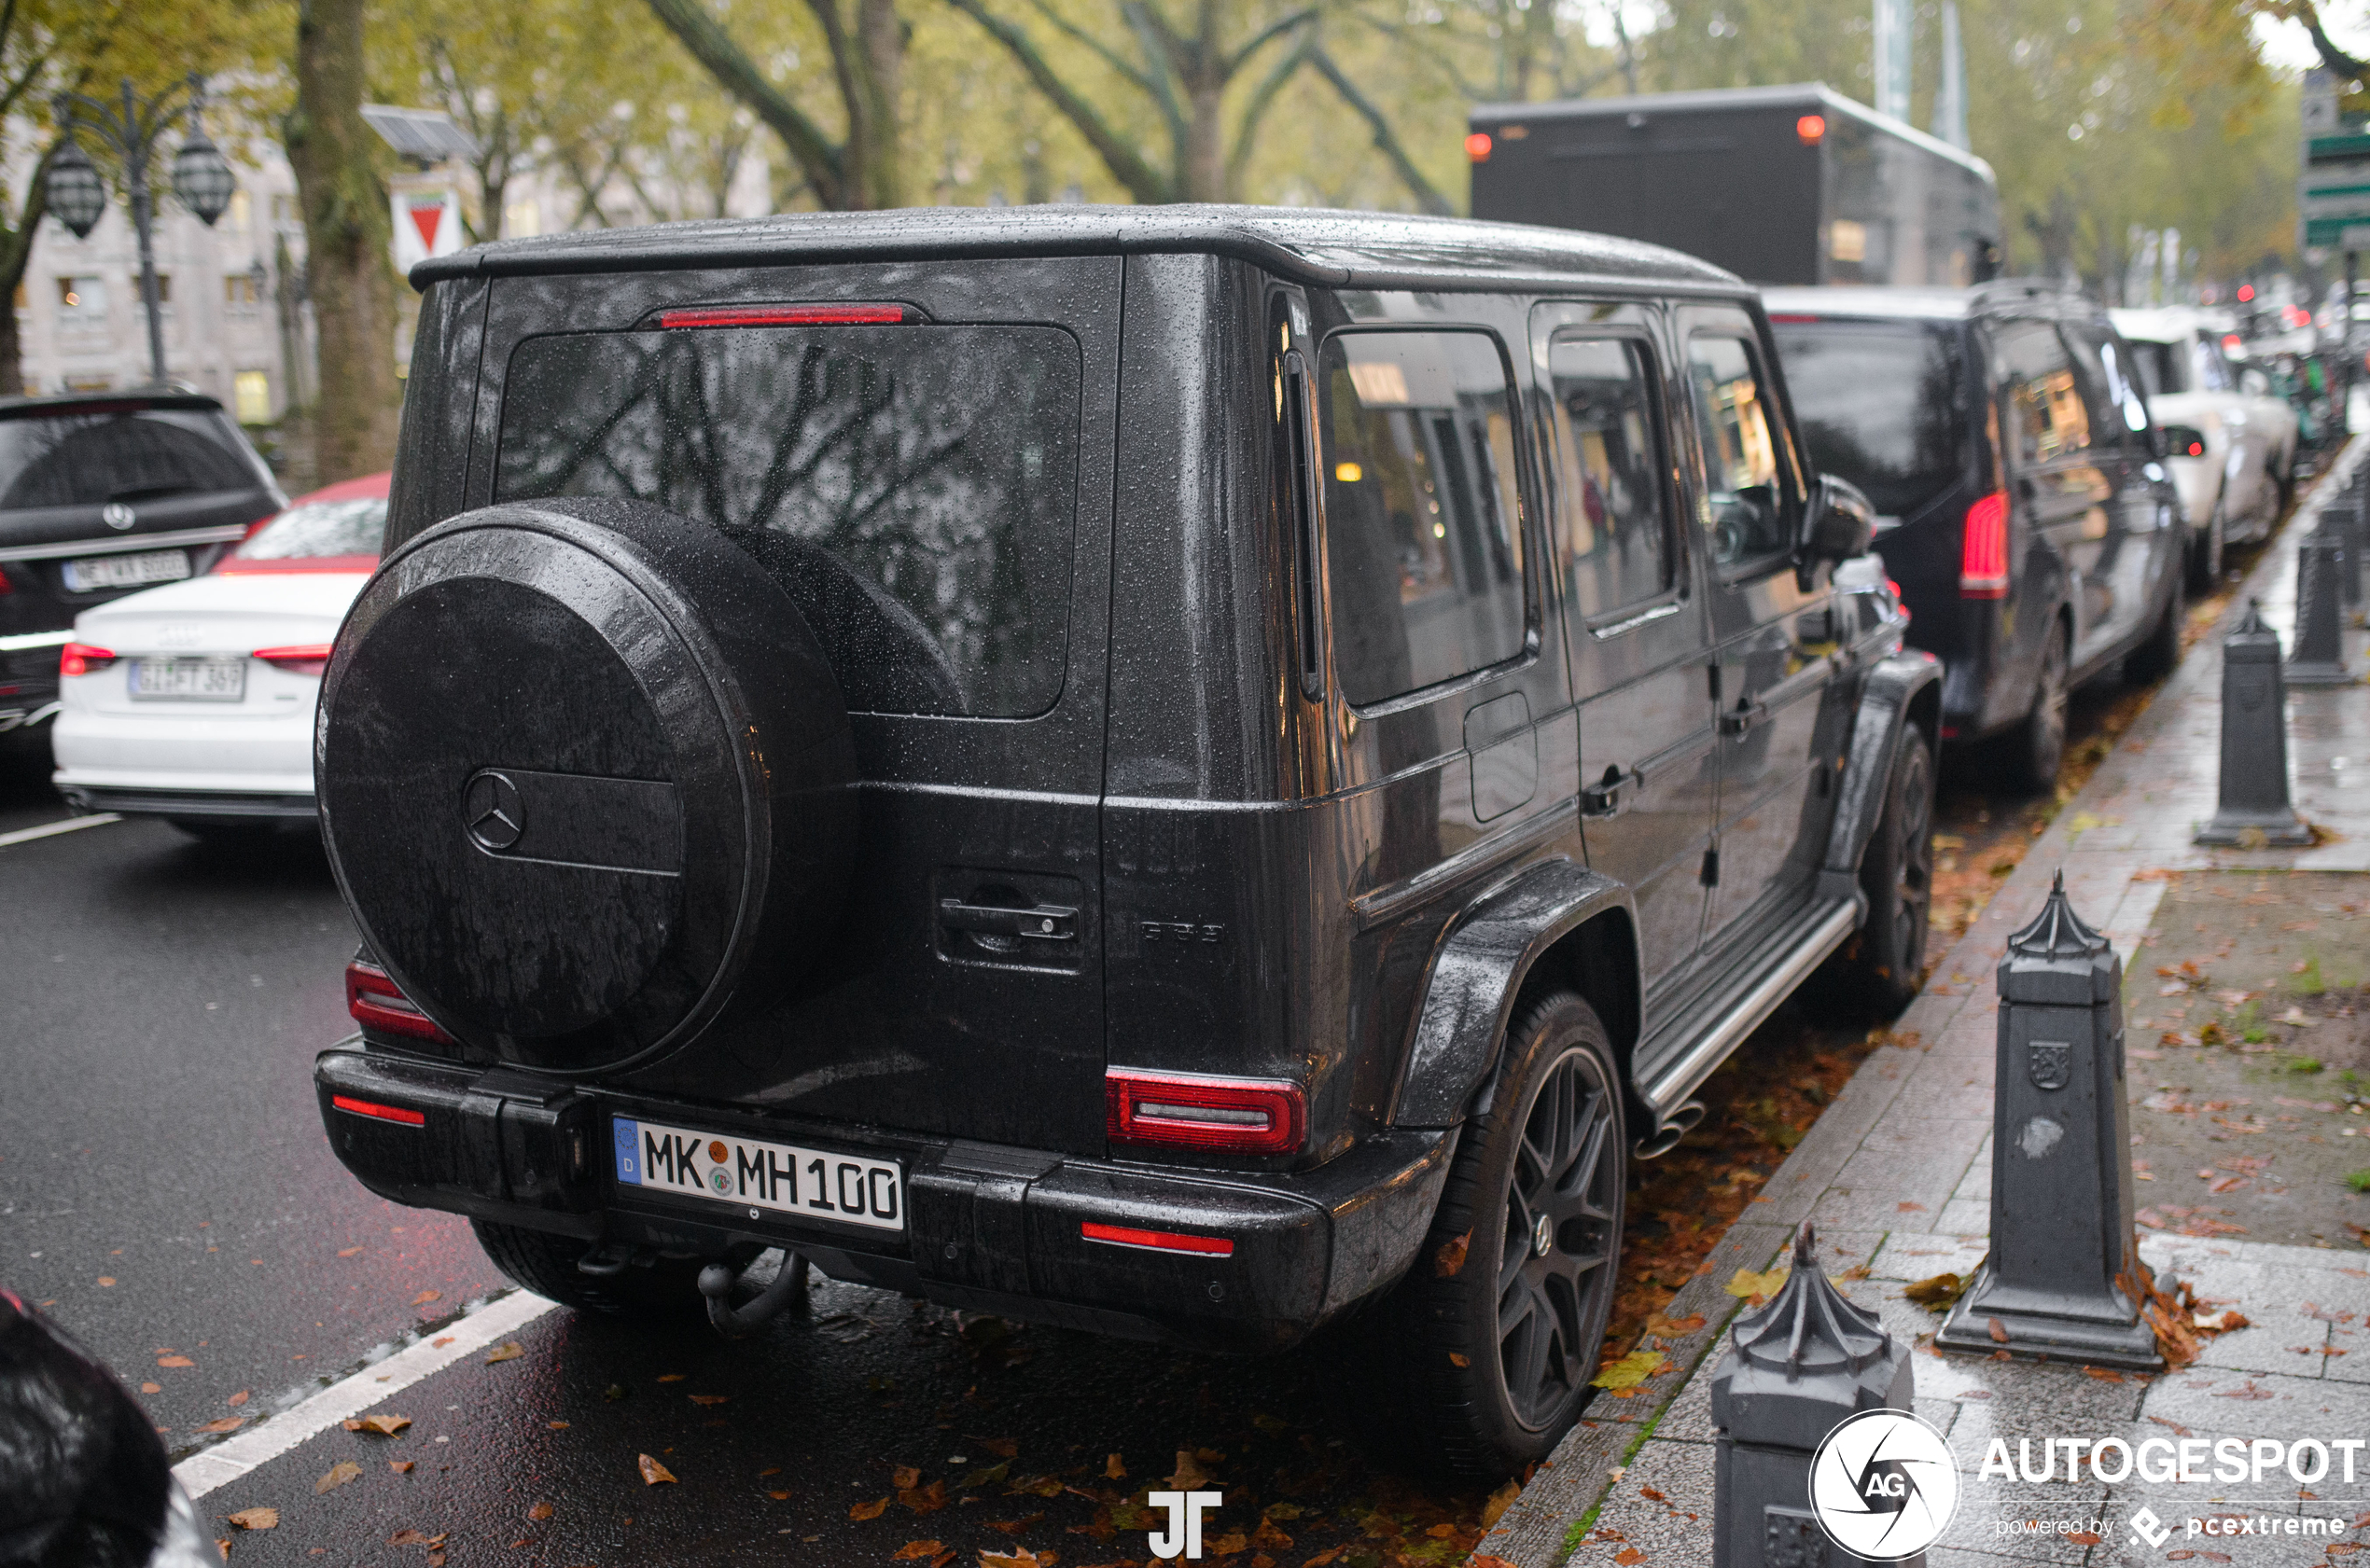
[2231, 453]
[194, 701]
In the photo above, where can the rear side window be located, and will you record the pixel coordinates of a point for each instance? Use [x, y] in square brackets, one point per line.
[2163, 368]
[1739, 439]
[2048, 418]
[1616, 536]
[912, 487]
[324, 528]
[85, 458]
[1882, 404]
[1422, 517]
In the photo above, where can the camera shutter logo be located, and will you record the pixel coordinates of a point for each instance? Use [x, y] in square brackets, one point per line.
[1883, 1485]
[492, 813]
[118, 516]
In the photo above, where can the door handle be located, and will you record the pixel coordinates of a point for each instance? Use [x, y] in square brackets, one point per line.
[1609, 796]
[1745, 717]
[1046, 922]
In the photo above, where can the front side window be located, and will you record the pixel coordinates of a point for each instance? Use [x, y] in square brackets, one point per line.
[1737, 435]
[912, 487]
[1423, 521]
[1615, 536]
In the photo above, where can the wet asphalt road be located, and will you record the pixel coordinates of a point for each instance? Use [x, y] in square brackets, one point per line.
[166, 1194]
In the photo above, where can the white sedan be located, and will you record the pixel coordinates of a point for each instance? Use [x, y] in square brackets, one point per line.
[2233, 452]
[194, 701]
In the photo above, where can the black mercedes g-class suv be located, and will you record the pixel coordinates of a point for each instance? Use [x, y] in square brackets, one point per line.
[1182, 771]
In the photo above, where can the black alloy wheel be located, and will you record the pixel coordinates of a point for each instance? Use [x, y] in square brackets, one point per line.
[2158, 656]
[1481, 1357]
[2206, 553]
[2037, 746]
[1879, 971]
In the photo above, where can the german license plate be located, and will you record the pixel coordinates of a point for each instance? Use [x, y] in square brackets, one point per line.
[188, 680]
[126, 571]
[759, 1177]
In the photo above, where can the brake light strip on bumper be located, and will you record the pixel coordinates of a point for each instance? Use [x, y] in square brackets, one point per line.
[1158, 1240]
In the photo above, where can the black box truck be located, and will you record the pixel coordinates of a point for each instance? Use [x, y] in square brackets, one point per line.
[1782, 185]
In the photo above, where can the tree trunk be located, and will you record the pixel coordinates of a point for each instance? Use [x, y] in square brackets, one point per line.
[1204, 141]
[348, 236]
[16, 254]
[880, 74]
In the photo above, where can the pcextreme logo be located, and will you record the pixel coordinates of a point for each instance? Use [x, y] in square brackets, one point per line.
[1883, 1485]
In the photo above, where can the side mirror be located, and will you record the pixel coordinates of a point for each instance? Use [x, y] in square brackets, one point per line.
[1838, 524]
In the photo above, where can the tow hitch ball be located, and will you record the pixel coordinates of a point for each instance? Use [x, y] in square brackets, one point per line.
[716, 1283]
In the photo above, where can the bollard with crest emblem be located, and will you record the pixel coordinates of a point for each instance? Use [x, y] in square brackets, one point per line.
[1795, 1369]
[2063, 1278]
[2254, 805]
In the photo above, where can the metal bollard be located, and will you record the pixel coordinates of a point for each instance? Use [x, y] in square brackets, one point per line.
[1793, 1370]
[2059, 1280]
[2254, 742]
[2353, 530]
[2318, 657]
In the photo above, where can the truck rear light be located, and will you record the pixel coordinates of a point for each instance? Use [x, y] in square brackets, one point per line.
[377, 1112]
[786, 315]
[1810, 128]
[1477, 147]
[309, 658]
[1234, 1115]
[1983, 561]
[81, 659]
[377, 1003]
[1162, 1241]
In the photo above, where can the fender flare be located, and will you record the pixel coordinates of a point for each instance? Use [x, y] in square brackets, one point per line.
[1892, 685]
[1477, 972]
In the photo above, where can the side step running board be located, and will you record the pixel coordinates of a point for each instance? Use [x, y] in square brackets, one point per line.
[1666, 1092]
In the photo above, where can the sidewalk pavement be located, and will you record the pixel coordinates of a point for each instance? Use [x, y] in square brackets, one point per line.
[1896, 1176]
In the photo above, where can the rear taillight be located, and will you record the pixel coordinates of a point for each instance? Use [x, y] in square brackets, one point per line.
[1159, 1240]
[1983, 561]
[377, 1003]
[1232, 1116]
[377, 1112]
[786, 315]
[6, 586]
[309, 658]
[81, 659]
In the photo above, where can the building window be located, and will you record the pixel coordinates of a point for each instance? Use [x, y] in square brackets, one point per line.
[90, 383]
[521, 220]
[252, 392]
[82, 301]
[164, 288]
[241, 209]
[241, 289]
[284, 209]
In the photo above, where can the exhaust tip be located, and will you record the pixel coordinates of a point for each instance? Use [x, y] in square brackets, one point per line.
[1676, 1126]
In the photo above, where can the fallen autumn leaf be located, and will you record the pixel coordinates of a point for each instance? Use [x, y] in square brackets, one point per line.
[653, 1473]
[509, 1349]
[256, 1518]
[342, 1472]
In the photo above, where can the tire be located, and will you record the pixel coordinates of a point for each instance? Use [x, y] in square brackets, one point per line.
[667, 1291]
[2036, 748]
[225, 832]
[2160, 652]
[1485, 1362]
[1879, 971]
[2206, 553]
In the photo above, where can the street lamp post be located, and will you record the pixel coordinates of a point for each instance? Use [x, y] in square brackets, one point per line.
[201, 177]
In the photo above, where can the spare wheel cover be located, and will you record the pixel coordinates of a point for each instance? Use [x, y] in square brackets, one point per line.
[585, 779]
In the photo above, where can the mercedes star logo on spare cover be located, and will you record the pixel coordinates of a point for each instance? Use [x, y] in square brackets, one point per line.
[491, 811]
[118, 516]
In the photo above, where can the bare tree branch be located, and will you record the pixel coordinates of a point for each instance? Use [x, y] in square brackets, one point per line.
[1262, 96]
[1125, 164]
[1108, 56]
[1267, 35]
[822, 163]
[1163, 47]
[1386, 139]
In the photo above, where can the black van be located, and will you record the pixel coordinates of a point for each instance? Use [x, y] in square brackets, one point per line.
[1188, 773]
[2002, 435]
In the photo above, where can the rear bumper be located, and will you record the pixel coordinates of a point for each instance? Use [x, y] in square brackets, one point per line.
[252, 805]
[989, 1228]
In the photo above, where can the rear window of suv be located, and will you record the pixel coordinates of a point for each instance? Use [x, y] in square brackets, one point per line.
[913, 487]
[85, 456]
[1882, 404]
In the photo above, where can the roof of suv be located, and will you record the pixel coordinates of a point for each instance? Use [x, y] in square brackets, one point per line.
[126, 397]
[1329, 249]
[1927, 304]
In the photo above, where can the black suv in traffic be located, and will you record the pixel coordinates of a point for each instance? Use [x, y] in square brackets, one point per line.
[2002, 436]
[102, 494]
[1187, 772]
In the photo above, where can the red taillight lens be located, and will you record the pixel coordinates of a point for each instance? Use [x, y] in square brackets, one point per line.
[81, 659]
[2196, 449]
[376, 1003]
[1810, 128]
[309, 658]
[6, 586]
[377, 1112]
[1477, 147]
[1235, 1116]
[786, 315]
[1160, 1241]
[1982, 561]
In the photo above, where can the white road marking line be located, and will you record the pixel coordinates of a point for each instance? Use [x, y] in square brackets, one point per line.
[232, 1458]
[49, 829]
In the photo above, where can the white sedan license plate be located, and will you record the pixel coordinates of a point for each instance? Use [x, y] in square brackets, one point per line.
[748, 1174]
[188, 680]
[126, 571]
